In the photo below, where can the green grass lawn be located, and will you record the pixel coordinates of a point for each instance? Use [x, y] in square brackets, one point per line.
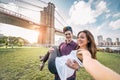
[23, 64]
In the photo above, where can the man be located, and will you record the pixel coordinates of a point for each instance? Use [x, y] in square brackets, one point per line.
[64, 49]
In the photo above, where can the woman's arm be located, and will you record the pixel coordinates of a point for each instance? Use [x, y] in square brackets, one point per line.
[96, 69]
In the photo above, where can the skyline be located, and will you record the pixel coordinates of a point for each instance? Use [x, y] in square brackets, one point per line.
[101, 17]
[100, 37]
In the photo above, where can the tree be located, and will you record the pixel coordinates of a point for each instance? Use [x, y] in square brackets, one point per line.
[12, 41]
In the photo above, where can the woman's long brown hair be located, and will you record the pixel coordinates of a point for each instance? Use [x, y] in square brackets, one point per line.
[91, 44]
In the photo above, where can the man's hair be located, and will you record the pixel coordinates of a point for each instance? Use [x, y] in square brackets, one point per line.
[67, 28]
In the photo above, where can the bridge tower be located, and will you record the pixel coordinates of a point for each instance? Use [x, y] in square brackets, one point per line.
[47, 29]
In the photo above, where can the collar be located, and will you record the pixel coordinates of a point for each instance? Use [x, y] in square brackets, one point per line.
[69, 43]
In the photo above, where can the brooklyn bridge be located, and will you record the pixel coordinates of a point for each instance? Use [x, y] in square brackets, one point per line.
[46, 26]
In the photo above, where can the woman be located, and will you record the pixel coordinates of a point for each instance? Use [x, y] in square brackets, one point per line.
[87, 54]
[86, 41]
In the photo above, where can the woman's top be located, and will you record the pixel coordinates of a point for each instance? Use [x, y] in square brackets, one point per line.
[63, 70]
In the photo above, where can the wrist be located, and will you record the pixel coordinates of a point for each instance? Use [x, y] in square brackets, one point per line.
[78, 68]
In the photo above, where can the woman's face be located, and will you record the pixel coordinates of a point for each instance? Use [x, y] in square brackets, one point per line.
[68, 35]
[82, 40]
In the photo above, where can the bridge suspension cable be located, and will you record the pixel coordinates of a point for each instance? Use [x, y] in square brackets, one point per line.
[22, 7]
[61, 16]
[30, 4]
[59, 21]
[43, 1]
[29, 9]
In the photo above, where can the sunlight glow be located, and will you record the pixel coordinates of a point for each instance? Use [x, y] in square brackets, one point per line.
[10, 30]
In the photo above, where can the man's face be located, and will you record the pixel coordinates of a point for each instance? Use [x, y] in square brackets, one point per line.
[68, 35]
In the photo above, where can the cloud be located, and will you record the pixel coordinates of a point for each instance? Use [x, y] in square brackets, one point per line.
[116, 15]
[107, 15]
[81, 12]
[100, 8]
[113, 15]
[115, 24]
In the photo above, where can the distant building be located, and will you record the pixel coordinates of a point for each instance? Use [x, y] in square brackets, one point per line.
[117, 39]
[117, 42]
[100, 40]
[1, 35]
[109, 41]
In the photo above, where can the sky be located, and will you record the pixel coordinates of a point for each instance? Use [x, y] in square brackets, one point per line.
[101, 17]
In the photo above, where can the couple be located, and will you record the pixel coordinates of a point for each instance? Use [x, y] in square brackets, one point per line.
[85, 40]
[70, 56]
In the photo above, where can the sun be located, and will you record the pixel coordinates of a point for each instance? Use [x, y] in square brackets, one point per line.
[32, 36]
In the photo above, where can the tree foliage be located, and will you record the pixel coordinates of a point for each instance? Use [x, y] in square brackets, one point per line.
[12, 41]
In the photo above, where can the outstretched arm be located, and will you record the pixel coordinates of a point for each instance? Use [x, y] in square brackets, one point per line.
[96, 69]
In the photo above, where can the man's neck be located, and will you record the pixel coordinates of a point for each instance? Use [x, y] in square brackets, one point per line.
[68, 41]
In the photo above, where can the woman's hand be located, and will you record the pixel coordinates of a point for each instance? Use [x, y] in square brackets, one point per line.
[82, 53]
[72, 64]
